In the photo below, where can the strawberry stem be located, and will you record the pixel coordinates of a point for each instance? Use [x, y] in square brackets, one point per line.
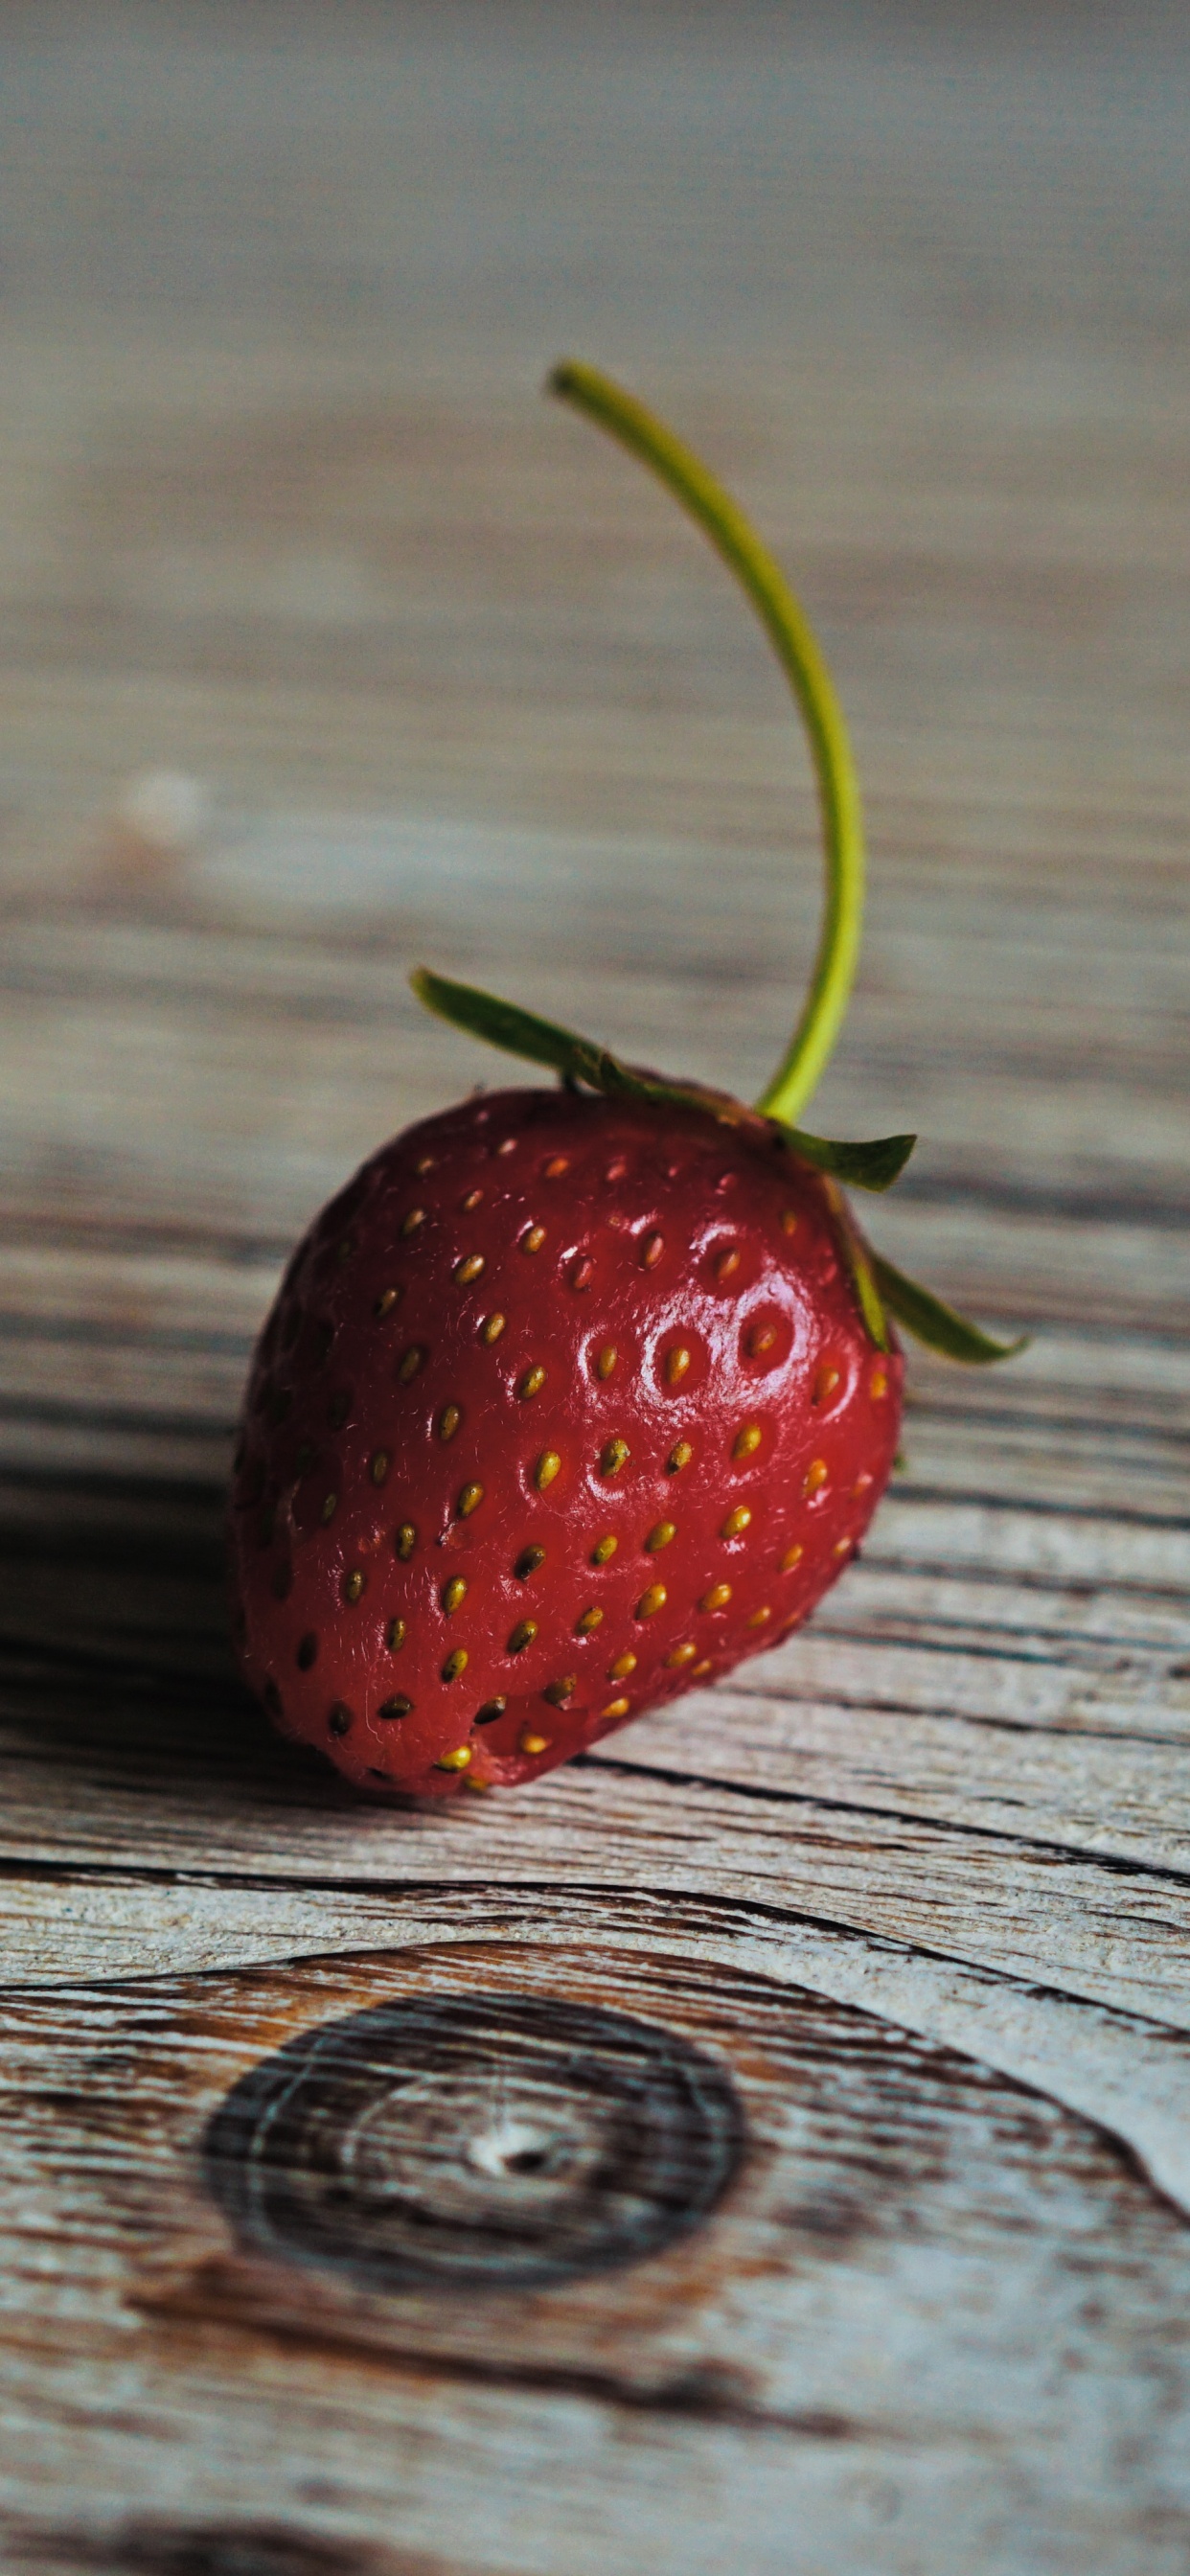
[809, 1050]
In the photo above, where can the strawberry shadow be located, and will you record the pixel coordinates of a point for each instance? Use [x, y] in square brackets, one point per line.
[117, 1663]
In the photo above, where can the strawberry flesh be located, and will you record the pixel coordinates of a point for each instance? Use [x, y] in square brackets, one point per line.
[564, 1404]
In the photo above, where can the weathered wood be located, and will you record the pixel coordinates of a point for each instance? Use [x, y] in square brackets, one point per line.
[795, 2358]
[278, 508]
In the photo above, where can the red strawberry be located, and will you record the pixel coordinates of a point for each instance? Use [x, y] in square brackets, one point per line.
[565, 1403]
[572, 1399]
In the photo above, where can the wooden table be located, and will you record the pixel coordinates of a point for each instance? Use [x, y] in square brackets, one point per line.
[877, 1956]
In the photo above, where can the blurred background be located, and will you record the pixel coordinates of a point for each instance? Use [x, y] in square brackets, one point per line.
[327, 644]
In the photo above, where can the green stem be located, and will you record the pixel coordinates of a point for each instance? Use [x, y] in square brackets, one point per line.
[809, 1050]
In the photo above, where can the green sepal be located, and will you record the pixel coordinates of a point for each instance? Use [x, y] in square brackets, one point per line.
[503, 1024]
[861, 1264]
[938, 1326]
[872, 1166]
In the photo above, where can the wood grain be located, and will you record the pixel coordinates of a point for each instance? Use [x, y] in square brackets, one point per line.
[279, 510]
[789, 2357]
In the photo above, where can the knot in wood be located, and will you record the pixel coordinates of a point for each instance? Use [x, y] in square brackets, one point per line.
[516, 2140]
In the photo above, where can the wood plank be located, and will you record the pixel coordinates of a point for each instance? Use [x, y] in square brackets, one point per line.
[279, 509]
[879, 2177]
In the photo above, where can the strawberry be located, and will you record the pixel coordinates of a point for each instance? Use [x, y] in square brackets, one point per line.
[571, 1399]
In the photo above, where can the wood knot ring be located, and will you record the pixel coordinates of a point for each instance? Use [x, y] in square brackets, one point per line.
[514, 2140]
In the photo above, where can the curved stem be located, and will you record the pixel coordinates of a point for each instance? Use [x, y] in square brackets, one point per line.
[806, 1057]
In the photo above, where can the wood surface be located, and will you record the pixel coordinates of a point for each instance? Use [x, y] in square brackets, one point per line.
[281, 513]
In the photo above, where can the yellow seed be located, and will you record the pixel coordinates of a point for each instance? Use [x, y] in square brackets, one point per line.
[680, 1456]
[789, 1220]
[394, 1635]
[386, 1301]
[616, 1708]
[557, 1693]
[405, 1541]
[588, 1620]
[727, 1262]
[527, 1562]
[758, 1618]
[746, 1440]
[507, 1145]
[825, 1383]
[736, 1521]
[793, 1556]
[681, 1655]
[548, 1466]
[470, 1781]
[492, 1327]
[468, 1269]
[471, 1201]
[815, 1476]
[330, 1502]
[878, 1383]
[660, 1536]
[717, 1598]
[469, 1501]
[416, 1217]
[425, 1165]
[606, 1360]
[697, 1670]
[448, 1421]
[533, 1238]
[454, 1594]
[842, 1547]
[532, 1382]
[651, 1251]
[603, 1549]
[455, 1664]
[532, 1742]
[523, 1635]
[761, 1339]
[652, 1600]
[414, 1360]
[862, 1482]
[378, 1466]
[557, 1164]
[623, 1665]
[456, 1761]
[353, 1584]
[614, 1455]
[676, 1365]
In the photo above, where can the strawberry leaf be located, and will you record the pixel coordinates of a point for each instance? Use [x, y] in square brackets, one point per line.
[861, 1263]
[577, 1059]
[938, 1326]
[504, 1025]
[871, 1166]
